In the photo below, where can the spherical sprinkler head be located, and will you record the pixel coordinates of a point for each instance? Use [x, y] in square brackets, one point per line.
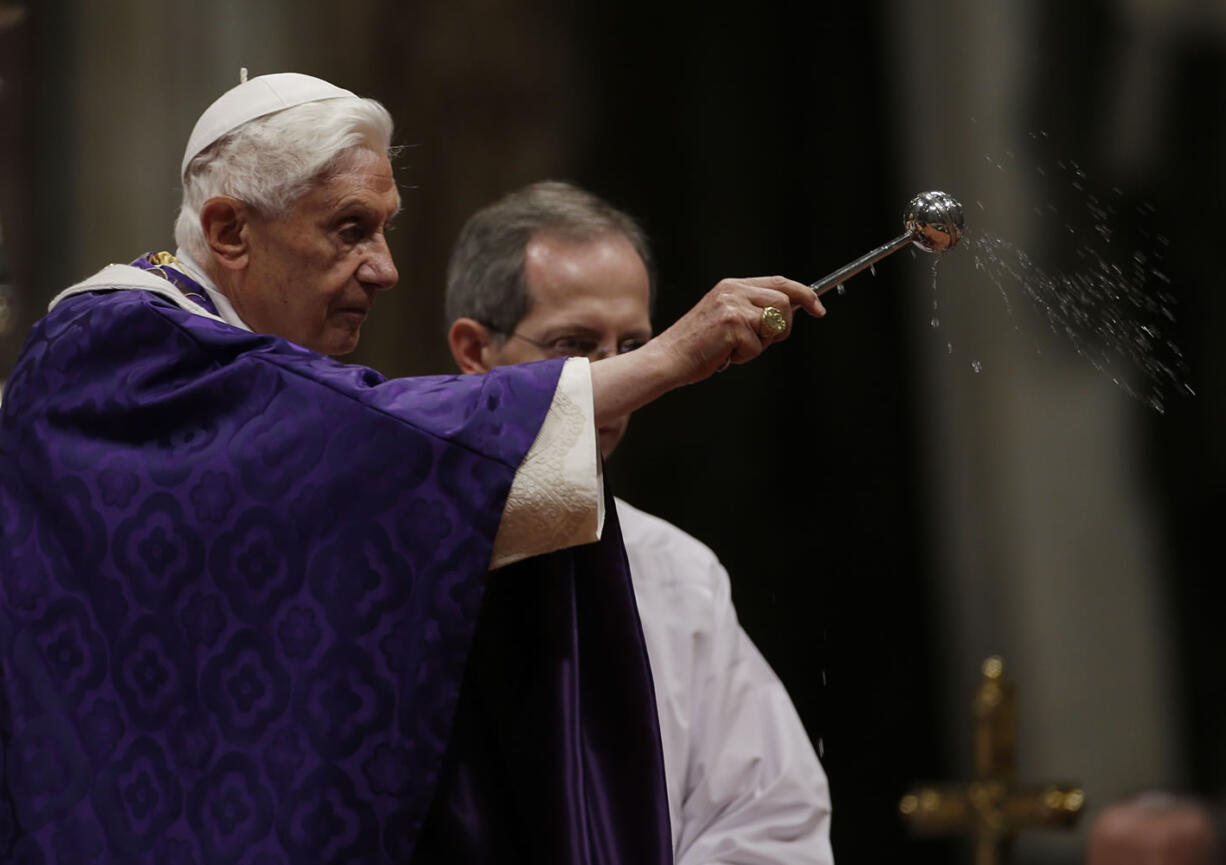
[935, 221]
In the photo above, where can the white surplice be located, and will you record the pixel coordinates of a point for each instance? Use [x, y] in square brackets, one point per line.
[744, 784]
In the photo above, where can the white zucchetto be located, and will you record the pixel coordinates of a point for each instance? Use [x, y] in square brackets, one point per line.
[265, 94]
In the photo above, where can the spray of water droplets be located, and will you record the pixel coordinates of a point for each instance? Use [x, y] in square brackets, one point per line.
[1114, 307]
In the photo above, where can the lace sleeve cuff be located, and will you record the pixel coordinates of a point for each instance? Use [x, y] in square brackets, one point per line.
[557, 495]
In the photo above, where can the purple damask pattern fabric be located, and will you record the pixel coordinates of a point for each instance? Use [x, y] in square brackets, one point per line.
[238, 587]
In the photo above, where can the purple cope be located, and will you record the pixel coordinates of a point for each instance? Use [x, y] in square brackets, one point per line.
[246, 614]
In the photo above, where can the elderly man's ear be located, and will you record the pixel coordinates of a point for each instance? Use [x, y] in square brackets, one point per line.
[472, 345]
[223, 220]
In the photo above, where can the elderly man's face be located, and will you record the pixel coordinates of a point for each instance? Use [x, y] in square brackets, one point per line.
[313, 273]
[593, 291]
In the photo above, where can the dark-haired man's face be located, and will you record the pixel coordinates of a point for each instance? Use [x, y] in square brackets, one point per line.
[594, 291]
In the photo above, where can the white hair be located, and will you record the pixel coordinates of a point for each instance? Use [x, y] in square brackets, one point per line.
[272, 161]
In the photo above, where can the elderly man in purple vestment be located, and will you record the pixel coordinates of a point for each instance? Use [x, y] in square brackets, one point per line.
[258, 606]
[551, 270]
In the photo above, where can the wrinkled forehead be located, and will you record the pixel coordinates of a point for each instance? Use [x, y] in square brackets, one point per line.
[359, 178]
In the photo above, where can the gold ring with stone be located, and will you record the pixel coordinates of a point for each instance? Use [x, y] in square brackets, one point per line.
[773, 323]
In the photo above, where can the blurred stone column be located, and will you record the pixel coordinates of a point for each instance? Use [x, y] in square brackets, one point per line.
[145, 71]
[109, 94]
[1046, 543]
[487, 97]
[14, 191]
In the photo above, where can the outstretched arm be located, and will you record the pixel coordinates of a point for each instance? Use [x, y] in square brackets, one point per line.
[724, 326]
[556, 500]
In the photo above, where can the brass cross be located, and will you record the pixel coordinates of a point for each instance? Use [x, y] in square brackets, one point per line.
[991, 807]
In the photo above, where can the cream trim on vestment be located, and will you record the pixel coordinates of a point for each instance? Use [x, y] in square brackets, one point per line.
[125, 277]
[557, 496]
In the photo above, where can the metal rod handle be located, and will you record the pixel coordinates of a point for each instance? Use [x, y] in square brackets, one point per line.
[843, 274]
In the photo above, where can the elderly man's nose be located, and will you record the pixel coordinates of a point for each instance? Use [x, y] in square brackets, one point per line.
[378, 269]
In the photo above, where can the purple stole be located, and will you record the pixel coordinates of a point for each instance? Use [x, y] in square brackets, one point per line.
[159, 263]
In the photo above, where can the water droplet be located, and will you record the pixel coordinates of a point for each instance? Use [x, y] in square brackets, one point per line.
[936, 322]
[976, 366]
[872, 269]
[840, 288]
[949, 348]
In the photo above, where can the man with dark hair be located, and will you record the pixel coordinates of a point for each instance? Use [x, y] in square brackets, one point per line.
[552, 270]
